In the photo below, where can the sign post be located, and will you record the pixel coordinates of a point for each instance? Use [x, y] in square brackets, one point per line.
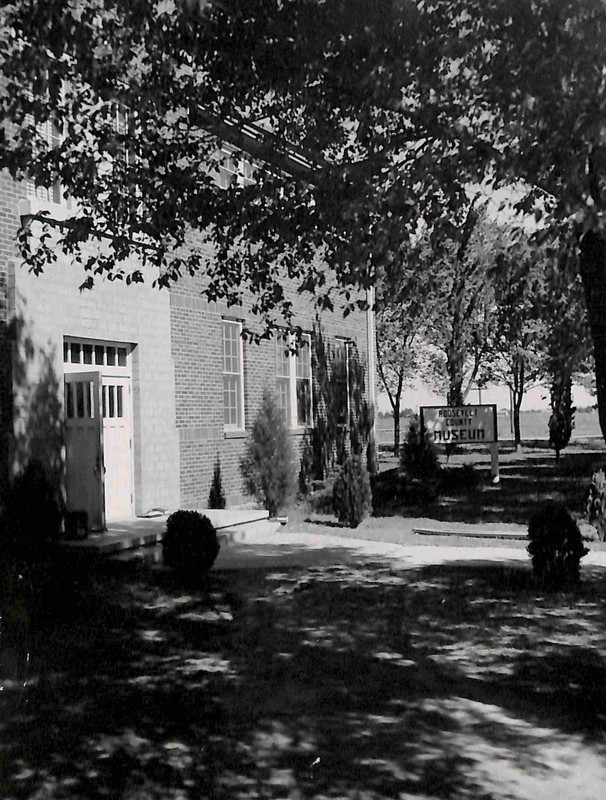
[464, 425]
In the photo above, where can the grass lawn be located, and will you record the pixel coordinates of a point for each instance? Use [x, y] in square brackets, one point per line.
[359, 681]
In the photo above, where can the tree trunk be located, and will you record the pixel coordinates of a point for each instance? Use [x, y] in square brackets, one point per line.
[396, 431]
[517, 405]
[593, 272]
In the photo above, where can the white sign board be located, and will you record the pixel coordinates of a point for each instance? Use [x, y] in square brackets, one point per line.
[461, 425]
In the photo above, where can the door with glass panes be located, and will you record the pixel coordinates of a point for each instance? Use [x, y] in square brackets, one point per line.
[115, 476]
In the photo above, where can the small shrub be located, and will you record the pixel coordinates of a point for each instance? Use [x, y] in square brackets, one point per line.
[190, 543]
[306, 468]
[352, 496]
[556, 547]
[372, 459]
[268, 464]
[595, 507]
[419, 457]
[216, 496]
[561, 421]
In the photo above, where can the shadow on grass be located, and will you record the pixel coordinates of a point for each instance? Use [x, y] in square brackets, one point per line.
[523, 484]
[341, 681]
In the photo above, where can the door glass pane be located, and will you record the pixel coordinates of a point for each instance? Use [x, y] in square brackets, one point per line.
[104, 401]
[80, 400]
[87, 353]
[111, 356]
[99, 349]
[120, 412]
[112, 400]
[88, 387]
[69, 398]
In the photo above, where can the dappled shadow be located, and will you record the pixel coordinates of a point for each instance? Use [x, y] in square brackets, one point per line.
[32, 420]
[523, 484]
[339, 681]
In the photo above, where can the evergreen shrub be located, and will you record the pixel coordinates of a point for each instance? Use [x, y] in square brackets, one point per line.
[419, 457]
[306, 468]
[216, 496]
[268, 464]
[595, 507]
[556, 547]
[190, 544]
[352, 496]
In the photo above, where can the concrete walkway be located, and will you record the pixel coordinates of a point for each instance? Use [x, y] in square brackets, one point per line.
[282, 550]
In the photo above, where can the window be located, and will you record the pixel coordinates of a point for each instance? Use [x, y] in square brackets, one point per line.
[233, 168]
[293, 379]
[341, 380]
[52, 136]
[76, 351]
[233, 376]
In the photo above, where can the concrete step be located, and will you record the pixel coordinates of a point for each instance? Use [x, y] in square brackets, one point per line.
[232, 525]
[472, 533]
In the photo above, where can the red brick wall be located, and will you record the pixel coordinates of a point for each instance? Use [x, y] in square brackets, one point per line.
[196, 330]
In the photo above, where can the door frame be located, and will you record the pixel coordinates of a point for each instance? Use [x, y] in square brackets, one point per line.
[107, 372]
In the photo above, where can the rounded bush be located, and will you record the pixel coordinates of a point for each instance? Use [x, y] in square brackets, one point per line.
[351, 494]
[595, 507]
[190, 543]
[556, 547]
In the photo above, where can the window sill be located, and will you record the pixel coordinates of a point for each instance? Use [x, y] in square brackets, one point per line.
[233, 433]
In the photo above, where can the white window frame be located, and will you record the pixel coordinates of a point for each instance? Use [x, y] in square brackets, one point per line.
[285, 341]
[231, 375]
[233, 167]
[346, 345]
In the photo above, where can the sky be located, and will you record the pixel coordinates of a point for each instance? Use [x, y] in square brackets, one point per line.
[535, 398]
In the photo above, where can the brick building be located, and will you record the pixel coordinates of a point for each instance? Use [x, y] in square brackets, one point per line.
[130, 394]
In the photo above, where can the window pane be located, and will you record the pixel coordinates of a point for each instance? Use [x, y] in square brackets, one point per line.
[99, 350]
[232, 376]
[282, 357]
[303, 402]
[303, 361]
[87, 353]
[66, 351]
[111, 356]
[122, 356]
[340, 381]
[283, 398]
[119, 404]
[75, 352]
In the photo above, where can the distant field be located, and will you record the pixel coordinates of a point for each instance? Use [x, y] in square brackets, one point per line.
[533, 425]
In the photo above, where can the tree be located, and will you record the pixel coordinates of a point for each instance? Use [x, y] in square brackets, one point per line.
[517, 343]
[550, 95]
[461, 297]
[401, 302]
[359, 118]
[568, 340]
